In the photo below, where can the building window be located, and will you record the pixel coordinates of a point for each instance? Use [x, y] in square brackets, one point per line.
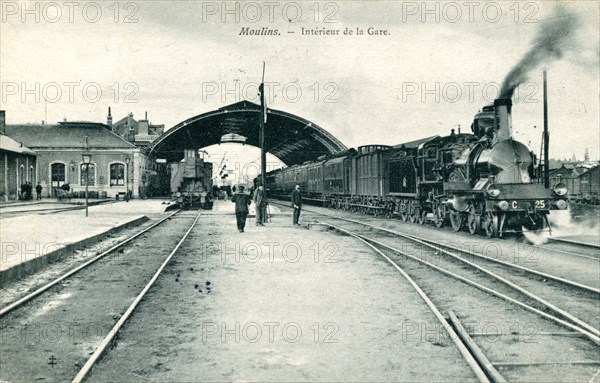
[91, 173]
[21, 174]
[117, 175]
[31, 178]
[58, 174]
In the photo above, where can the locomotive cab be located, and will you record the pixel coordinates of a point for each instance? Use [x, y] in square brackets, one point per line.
[483, 123]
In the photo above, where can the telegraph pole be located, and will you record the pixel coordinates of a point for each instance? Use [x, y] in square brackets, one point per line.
[546, 137]
[261, 135]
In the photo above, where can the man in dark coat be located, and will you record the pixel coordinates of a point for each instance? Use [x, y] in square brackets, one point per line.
[242, 201]
[297, 204]
[28, 191]
[260, 201]
[38, 190]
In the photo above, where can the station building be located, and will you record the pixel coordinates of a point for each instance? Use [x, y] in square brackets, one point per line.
[140, 133]
[154, 177]
[117, 165]
[17, 165]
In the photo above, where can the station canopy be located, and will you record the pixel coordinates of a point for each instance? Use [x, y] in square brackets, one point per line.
[290, 138]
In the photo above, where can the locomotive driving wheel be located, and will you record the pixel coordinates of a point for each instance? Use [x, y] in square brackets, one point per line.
[474, 221]
[456, 220]
[491, 225]
[439, 215]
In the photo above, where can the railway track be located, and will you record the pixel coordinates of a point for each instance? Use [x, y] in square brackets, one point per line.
[530, 282]
[512, 255]
[115, 273]
[571, 249]
[54, 210]
[558, 311]
[578, 243]
[495, 304]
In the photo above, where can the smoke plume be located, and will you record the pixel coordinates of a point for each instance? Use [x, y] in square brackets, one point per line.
[551, 43]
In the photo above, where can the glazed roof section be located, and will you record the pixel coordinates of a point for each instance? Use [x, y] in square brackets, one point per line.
[67, 135]
[290, 138]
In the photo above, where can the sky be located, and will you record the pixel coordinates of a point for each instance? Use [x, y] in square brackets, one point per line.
[430, 68]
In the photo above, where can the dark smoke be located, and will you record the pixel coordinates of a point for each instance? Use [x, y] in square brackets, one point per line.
[551, 43]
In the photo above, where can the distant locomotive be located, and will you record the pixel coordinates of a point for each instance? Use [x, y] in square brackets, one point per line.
[485, 181]
[191, 181]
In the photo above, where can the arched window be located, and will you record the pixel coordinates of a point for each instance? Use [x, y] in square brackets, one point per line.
[31, 178]
[91, 174]
[117, 175]
[21, 174]
[58, 174]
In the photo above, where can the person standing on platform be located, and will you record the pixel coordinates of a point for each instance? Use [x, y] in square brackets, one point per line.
[297, 204]
[260, 201]
[242, 201]
[38, 190]
[28, 191]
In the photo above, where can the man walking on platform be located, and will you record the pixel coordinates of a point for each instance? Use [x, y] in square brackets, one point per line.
[297, 204]
[260, 201]
[242, 201]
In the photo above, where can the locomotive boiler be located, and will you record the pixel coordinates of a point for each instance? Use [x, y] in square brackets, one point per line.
[484, 181]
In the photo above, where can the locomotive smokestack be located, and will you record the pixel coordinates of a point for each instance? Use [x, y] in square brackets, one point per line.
[503, 124]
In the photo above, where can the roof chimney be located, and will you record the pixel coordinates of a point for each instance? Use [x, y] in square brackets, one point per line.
[109, 121]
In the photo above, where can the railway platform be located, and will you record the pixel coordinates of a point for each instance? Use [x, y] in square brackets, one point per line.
[35, 234]
[275, 303]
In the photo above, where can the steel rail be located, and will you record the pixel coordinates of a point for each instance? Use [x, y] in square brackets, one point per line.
[514, 286]
[522, 268]
[484, 362]
[512, 265]
[569, 253]
[5, 310]
[436, 312]
[113, 332]
[569, 325]
[578, 243]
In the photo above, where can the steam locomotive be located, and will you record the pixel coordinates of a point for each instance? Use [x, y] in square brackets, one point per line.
[484, 181]
[191, 181]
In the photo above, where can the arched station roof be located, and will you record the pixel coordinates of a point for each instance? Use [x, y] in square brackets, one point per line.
[290, 138]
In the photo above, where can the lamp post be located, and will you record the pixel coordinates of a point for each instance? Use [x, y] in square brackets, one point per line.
[87, 158]
[127, 161]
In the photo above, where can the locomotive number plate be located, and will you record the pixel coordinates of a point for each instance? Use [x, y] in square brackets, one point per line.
[539, 204]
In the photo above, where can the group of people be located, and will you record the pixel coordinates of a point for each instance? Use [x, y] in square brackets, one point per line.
[27, 191]
[243, 200]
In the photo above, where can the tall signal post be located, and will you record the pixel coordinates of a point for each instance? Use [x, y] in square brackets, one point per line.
[261, 135]
[546, 136]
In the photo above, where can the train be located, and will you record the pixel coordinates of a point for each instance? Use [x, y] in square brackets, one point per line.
[191, 181]
[484, 181]
[582, 181]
